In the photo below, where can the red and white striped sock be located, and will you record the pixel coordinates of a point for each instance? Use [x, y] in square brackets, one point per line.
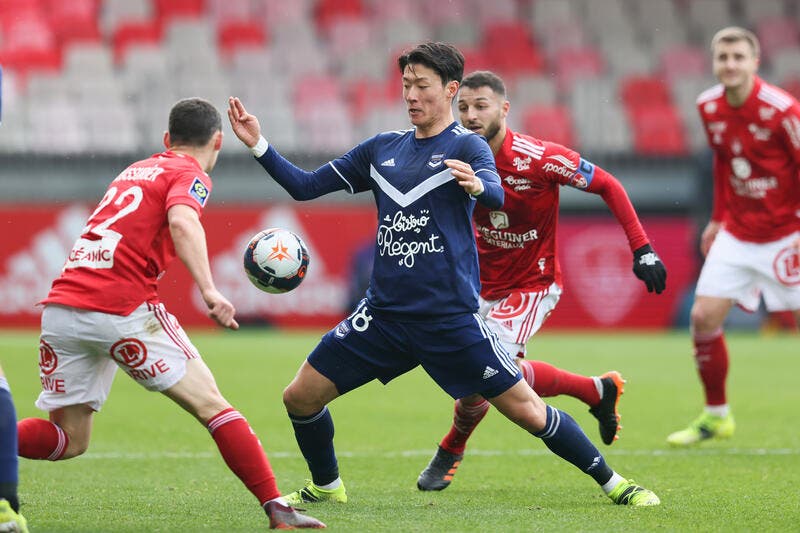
[466, 417]
[41, 439]
[243, 453]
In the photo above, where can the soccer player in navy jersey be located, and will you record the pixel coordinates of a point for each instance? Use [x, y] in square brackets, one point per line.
[422, 302]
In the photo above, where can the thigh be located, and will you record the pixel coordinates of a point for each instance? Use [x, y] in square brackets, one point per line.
[464, 356]
[361, 348]
[150, 346]
[518, 316]
[780, 269]
[730, 272]
[72, 369]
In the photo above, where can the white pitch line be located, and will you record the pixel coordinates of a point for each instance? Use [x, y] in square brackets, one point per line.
[131, 456]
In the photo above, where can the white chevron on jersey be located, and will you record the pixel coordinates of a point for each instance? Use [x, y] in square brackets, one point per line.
[711, 94]
[774, 97]
[406, 199]
[526, 147]
[564, 160]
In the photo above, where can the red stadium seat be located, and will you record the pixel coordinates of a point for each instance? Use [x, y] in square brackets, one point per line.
[643, 91]
[328, 10]
[684, 61]
[658, 131]
[777, 34]
[232, 35]
[170, 9]
[313, 91]
[576, 63]
[364, 95]
[134, 32]
[511, 50]
[549, 123]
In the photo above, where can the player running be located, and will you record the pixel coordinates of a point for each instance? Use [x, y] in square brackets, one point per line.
[752, 242]
[421, 306]
[521, 280]
[103, 312]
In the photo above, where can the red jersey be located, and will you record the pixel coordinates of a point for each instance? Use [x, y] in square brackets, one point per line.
[126, 245]
[756, 161]
[517, 243]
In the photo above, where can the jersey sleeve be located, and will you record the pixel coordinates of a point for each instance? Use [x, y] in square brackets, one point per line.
[353, 167]
[479, 156]
[189, 188]
[302, 184]
[613, 193]
[790, 130]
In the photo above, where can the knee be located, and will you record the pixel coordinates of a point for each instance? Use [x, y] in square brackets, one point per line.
[703, 319]
[298, 402]
[76, 447]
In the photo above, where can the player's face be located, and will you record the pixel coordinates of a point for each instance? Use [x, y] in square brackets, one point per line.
[481, 110]
[734, 64]
[427, 98]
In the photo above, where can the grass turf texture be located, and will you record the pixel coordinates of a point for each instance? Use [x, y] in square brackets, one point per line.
[151, 467]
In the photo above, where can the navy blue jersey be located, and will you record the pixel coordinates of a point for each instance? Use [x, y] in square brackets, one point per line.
[425, 259]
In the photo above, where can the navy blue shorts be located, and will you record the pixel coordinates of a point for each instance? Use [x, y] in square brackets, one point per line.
[460, 353]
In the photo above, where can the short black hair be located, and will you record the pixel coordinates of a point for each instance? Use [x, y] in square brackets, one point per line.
[193, 121]
[443, 58]
[485, 78]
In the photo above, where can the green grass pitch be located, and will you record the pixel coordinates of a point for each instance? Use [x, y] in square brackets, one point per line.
[151, 467]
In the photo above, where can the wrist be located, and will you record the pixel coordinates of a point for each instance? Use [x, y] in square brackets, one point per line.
[260, 148]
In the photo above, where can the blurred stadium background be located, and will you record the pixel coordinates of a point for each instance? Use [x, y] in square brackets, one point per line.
[87, 85]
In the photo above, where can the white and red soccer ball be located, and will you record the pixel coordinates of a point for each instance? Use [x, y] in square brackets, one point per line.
[276, 260]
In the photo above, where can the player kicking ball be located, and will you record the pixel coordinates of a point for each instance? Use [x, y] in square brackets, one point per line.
[521, 279]
[421, 307]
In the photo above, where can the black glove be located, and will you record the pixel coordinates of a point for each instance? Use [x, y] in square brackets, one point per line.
[648, 267]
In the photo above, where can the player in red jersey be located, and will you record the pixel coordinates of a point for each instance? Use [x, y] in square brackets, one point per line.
[520, 273]
[103, 312]
[752, 242]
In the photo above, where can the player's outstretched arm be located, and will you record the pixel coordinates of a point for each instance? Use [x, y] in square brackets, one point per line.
[189, 239]
[245, 126]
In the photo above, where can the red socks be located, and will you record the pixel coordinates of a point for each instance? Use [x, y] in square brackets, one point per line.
[242, 452]
[711, 356]
[466, 417]
[41, 439]
[548, 380]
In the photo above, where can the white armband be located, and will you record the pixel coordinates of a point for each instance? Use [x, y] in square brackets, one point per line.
[261, 147]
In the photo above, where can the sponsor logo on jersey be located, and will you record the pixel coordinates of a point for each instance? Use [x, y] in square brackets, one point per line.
[435, 160]
[388, 163]
[198, 191]
[517, 183]
[759, 134]
[787, 266]
[489, 372]
[562, 166]
[716, 129]
[736, 146]
[401, 236]
[766, 112]
[710, 107]
[522, 163]
[541, 264]
[506, 239]
[48, 360]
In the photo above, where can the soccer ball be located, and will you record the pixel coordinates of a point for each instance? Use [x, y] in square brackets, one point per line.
[276, 260]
